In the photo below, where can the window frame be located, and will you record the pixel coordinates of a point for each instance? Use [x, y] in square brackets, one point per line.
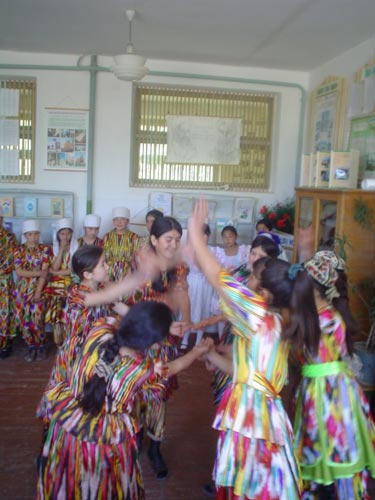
[226, 181]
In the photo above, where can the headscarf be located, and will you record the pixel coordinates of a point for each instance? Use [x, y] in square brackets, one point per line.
[323, 267]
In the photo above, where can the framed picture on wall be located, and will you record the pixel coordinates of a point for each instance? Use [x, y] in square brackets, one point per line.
[327, 115]
[57, 207]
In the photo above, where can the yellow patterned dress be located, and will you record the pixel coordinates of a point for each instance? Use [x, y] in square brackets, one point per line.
[255, 457]
[88, 456]
[119, 252]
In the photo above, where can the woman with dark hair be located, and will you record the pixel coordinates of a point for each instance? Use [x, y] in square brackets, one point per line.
[90, 450]
[169, 287]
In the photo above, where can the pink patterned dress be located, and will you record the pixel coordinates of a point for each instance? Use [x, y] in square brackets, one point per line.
[255, 457]
[334, 430]
[88, 456]
[29, 315]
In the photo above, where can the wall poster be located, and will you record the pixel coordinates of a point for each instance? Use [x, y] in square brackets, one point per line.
[327, 115]
[67, 131]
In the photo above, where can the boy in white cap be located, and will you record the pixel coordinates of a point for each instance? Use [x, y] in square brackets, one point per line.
[120, 245]
[31, 263]
[91, 225]
[7, 246]
[60, 276]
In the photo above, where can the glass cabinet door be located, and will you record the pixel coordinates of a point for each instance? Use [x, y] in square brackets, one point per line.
[327, 224]
[304, 229]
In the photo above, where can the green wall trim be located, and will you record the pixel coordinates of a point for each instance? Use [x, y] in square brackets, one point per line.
[94, 69]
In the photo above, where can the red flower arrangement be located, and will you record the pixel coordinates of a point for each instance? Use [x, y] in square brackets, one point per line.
[280, 215]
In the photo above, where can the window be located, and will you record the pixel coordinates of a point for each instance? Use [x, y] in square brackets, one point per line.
[153, 104]
[17, 130]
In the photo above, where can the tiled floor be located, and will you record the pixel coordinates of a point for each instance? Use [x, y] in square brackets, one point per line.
[188, 448]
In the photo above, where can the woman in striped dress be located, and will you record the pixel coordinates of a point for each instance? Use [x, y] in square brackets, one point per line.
[90, 450]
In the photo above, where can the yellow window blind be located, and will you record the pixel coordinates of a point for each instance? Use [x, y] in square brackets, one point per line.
[17, 121]
[153, 104]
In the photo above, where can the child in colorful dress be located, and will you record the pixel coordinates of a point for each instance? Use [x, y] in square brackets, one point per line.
[91, 226]
[31, 262]
[90, 451]
[334, 430]
[7, 247]
[255, 457]
[60, 277]
[120, 245]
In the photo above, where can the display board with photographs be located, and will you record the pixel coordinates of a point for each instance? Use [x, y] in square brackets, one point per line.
[67, 146]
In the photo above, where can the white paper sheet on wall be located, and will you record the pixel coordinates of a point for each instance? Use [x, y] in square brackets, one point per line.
[203, 140]
[9, 132]
[9, 102]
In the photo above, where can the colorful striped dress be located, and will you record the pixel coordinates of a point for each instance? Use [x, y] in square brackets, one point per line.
[151, 404]
[7, 246]
[78, 320]
[88, 456]
[255, 458]
[334, 430]
[29, 315]
[119, 252]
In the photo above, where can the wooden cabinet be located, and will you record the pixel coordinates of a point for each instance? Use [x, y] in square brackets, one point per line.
[330, 216]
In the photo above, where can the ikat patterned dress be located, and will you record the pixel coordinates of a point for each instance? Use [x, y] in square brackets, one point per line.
[7, 246]
[151, 403]
[94, 457]
[334, 431]
[255, 457]
[56, 291]
[78, 320]
[119, 252]
[29, 315]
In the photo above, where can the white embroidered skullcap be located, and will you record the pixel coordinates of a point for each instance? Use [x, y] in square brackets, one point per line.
[120, 212]
[92, 220]
[63, 224]
[30, 225]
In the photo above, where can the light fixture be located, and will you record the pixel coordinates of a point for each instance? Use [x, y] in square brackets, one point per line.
[129, 66]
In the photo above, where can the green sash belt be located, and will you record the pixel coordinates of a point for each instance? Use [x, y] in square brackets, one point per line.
[323, 369]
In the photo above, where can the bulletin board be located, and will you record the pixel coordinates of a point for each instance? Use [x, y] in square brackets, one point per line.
[45, 206]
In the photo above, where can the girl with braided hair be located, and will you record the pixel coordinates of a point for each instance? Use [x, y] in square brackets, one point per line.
[255, 457]
[334, 430]
[90, 450]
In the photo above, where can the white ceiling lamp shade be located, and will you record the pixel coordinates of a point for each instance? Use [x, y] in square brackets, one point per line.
[129, 66]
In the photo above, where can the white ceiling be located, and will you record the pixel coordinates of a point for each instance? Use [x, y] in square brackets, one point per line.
[285, 34]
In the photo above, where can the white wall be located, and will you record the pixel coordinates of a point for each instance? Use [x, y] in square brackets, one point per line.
[70, 89]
